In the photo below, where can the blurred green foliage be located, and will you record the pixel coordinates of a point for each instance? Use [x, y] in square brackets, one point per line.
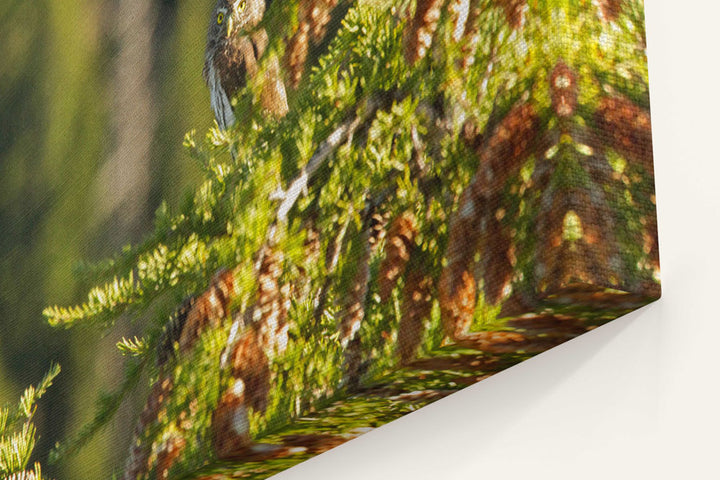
[18, 434]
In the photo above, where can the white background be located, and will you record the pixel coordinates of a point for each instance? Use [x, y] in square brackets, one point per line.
[636, 399]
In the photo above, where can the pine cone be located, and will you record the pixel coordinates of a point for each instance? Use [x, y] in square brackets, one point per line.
[416, 307]
[457, 286]
[626, 128]
[170, 451]
[506, 150]
[420, 30]
[513, 139]
[172, 331]
[496, 257]
[273, 97]
[273, 302]
[320, 13]
[563, 90]
[471, 35]
[400, 240]
[250, 365]
[195, 314]
[513, 11]
[457, 301]
[313, 18]
[137, 462]
[209, 309]
[296, 54]
[230, 424]
[376, 230]
[610, 9]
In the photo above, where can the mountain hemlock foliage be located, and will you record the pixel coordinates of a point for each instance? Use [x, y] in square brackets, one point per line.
[337, 218]
[17, 432]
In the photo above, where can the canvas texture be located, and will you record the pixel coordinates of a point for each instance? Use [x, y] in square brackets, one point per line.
[393, 200]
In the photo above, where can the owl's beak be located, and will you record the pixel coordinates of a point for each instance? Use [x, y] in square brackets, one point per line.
[229, 24]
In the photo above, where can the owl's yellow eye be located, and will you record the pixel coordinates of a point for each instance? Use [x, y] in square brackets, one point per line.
[241, 5]
[220, 18]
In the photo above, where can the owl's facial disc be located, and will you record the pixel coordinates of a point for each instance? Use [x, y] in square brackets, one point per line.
[221, 20]
[239, 6]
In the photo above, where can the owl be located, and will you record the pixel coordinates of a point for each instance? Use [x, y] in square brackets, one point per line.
[234, 47]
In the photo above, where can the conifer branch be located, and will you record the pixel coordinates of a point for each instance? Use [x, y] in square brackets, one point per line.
[17, 432]
[342, 133]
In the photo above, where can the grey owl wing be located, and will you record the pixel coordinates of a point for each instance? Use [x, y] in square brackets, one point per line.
[233, 67]
[219, 100]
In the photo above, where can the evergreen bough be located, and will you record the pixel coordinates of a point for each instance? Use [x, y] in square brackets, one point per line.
[377, 130]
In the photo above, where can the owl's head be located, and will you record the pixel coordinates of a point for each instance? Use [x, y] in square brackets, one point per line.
[231, 17]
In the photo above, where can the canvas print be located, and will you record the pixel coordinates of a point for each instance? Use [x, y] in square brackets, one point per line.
[249, 231]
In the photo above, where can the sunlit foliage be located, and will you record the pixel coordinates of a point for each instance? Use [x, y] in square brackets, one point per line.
[488, 141]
